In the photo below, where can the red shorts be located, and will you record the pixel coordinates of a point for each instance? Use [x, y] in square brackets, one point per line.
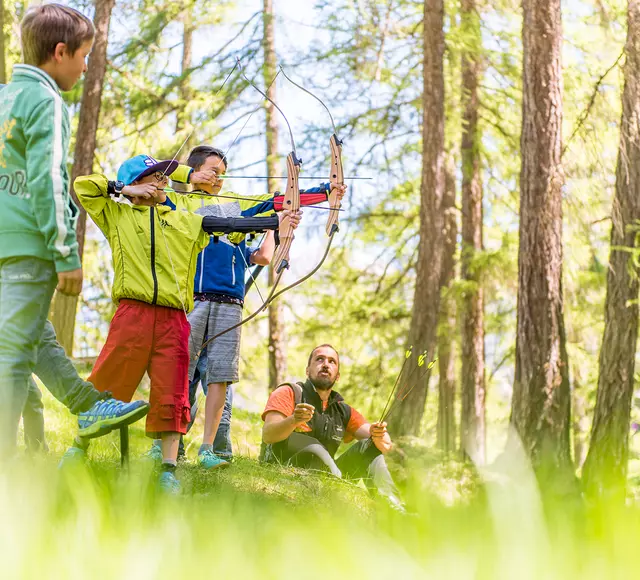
[153, 339]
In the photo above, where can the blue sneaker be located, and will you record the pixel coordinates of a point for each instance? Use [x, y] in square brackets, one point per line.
[107, 415]
[154, 455]
[209, 460]
[72, 456]
[168, 483]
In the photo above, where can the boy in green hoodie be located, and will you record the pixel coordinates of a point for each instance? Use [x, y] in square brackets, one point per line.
[38, 247]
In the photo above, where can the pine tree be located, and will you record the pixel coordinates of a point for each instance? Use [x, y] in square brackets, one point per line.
[541, 399]
[605, 469]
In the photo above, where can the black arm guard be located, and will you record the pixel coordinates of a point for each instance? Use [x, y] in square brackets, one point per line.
[220, 225]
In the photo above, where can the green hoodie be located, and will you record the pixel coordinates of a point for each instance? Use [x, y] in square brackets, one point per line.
[38, 216]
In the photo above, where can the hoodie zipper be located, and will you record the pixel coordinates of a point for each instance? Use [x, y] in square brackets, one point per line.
[153, 256]
[233, 268]
[201, 269]
[201, 255]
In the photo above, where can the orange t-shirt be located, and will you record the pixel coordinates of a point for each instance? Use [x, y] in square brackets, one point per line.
[283, 401]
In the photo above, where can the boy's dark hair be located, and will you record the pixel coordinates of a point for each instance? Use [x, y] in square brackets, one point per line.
[321, 346]
[201, 153]
[43, 27]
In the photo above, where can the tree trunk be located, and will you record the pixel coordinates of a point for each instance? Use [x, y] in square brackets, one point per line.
[3, 46]
[540, 410]
[277, 337]
[446, 426]
[472, 418]
[64, 307]
[606, 464]
[426, 301]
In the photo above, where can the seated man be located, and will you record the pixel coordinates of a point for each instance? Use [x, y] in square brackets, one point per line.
[304, 424]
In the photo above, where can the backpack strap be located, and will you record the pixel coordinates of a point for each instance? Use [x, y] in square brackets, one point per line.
[297, 392]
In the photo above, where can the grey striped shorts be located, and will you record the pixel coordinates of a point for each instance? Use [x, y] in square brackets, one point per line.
[223, 354]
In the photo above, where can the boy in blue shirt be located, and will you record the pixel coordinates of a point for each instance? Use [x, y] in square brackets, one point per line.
[219, 292]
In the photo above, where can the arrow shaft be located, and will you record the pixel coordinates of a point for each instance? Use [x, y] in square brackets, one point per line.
[201, 194]
[284, 177]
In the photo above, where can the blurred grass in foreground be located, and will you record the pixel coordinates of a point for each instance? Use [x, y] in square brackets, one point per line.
[254, 521]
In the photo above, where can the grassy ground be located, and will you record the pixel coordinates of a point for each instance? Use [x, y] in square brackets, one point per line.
[255, 521]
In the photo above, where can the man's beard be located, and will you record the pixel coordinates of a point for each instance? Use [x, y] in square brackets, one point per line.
[323, 383]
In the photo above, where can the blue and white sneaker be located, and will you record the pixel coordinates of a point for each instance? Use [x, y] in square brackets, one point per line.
[209, 460]
[72, 456]
[154, 455]
[168, 483]
[105, 416]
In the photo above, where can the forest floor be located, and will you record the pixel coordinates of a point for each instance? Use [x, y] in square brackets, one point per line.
[263, 521]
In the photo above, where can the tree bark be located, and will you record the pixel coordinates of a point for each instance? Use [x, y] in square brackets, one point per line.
[277, 338]
[605, 469]
[446, 425]
[472, 393]
[426, 301]
[3, 46]
[64, 307]
[540, 409]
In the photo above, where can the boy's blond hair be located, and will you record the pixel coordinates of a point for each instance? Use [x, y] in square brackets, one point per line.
[43, 27]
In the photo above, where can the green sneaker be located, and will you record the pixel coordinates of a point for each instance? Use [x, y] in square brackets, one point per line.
[72, 456]
[209, 460]
[154, 455]
[168, 483]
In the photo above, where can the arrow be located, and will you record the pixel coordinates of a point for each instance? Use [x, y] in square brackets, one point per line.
[226, 176]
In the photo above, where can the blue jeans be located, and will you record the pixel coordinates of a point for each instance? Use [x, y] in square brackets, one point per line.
[222, 442]
[61, 378]
[33, 419]
[26, 288]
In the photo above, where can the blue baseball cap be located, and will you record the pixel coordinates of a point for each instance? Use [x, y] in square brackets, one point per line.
[142, 165]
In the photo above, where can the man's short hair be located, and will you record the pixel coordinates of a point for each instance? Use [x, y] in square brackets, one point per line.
[43, 27]
[201, 153]
[322, 346]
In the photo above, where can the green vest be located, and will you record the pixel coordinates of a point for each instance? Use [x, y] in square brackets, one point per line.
[329, 425]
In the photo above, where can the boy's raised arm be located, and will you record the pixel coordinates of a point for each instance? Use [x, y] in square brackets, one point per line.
[45, 162]
[182, 174]
[92, 191]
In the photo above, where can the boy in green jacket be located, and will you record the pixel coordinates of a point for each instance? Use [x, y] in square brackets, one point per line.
[154, 259]
[38, 247]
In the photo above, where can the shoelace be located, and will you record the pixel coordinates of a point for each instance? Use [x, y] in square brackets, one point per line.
[210, 454]
[109, 408]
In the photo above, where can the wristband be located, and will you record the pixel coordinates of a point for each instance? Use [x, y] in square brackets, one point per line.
[115, 188]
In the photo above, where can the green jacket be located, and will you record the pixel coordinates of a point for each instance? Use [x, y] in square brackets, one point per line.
[154, 248]
[38, 217]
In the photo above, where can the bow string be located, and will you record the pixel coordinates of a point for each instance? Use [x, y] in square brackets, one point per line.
[290, 202]
[337, 176]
